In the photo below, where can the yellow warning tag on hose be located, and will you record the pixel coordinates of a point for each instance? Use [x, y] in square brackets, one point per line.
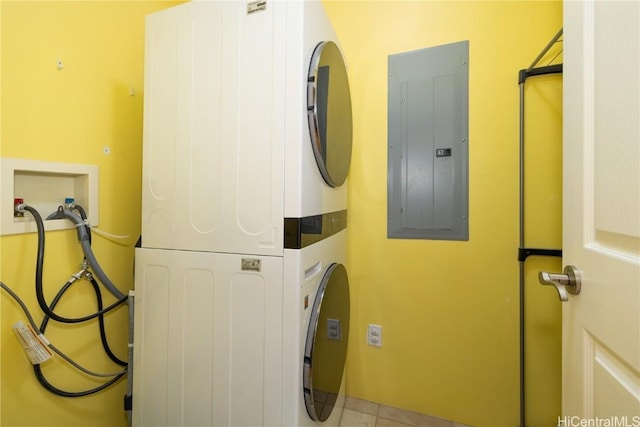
[35, 345]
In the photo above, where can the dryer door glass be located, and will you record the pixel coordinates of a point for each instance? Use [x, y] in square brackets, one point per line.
[326, 344]
[329, 113]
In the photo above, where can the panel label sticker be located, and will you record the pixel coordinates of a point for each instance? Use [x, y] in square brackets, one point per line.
[256, 6]
[443, 152]
[251, 264]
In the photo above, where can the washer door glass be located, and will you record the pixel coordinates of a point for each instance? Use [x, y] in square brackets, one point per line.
[326, 344]
[329, 113]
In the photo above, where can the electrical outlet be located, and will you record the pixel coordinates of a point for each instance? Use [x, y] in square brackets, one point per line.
[374, 335]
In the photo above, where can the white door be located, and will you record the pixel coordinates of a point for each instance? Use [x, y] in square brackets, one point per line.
[601, 229]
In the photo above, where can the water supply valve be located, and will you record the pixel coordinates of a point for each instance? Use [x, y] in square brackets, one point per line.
[18, 207]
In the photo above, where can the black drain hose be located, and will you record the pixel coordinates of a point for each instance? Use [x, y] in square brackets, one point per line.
[85, 240]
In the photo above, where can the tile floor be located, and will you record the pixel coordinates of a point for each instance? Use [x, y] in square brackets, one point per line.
[362, 413]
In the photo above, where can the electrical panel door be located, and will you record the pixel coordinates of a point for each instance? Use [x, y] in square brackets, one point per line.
[428, 143]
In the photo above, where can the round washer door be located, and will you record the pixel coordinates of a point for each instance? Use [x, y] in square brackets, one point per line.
[329, 113]
[326, 344]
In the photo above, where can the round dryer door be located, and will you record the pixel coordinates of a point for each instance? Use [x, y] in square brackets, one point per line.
[326, 344]
[329, 113]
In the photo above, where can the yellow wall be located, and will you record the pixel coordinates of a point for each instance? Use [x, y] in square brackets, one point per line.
[71, 115]
[449, 310]
[0, 196]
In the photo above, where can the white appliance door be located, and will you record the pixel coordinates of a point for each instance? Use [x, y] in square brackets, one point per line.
[601, 227]
[213, 144]
[329, 113]
[326, 343]
[208, 339]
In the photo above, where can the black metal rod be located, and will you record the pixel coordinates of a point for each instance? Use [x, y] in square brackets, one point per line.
[524, 253]
[545, 50]
[522, 77]
[521, 281]
[522, 347]
[549, 69]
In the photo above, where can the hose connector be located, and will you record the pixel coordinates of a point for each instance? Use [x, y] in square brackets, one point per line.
[70, 202]
[62, 213]
[18, 207]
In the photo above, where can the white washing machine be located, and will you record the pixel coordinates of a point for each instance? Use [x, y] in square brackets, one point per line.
[315, 332]
[208, 339]
[241, 340]
[243, 216]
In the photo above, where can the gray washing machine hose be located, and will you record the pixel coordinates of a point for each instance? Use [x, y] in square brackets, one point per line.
[85, 243]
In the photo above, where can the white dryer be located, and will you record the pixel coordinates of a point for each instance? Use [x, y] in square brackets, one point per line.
[230, 90]
[318, 151]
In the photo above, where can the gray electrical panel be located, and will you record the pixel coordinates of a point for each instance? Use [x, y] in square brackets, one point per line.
[428, 151]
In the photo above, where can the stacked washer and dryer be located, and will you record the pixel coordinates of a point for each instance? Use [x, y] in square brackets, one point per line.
[241, 290]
